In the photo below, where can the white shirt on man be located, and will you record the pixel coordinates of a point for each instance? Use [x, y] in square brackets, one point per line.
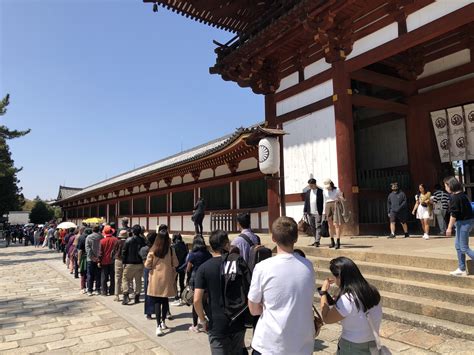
[285, 285]
[313, 198]
[355, 327]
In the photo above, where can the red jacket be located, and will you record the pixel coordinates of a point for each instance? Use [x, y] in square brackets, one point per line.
[106, 247]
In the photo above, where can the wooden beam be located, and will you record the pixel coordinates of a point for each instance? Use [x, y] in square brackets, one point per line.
[422, 34]
[304, 85]
[374, 121]
[446, 75]
[305, 110]
[379, 104]
[386, 81]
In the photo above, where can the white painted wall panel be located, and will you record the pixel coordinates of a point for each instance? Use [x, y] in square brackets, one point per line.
[188, 225]
[295, 210]
[175, 223]
[176, 181]
[206, 224]
[310, 148]
[136, 189]
[142, 188]
[445, 63]
[373, 40]
[206, 174]
[248, 164]
[316, 68]
[306, 97]
[222, 170]
[143, 221]
[187, 178]
[434, 11]
[288, 81]
[152, 223]
[237, 187]
[153, 185]
[135, 220]
[264, 216]
[162, 220]
[162, 184]
[254, 220]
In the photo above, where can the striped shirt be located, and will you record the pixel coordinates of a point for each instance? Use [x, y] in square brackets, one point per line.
[441, 197]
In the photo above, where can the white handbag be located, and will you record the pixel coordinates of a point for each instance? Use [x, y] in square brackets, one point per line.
[379, 349]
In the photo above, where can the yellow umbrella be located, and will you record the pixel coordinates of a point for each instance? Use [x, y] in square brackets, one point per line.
[94, 220]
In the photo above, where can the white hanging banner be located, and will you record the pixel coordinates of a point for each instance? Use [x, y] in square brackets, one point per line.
[469, 121]
[457, 133]
[440, 125]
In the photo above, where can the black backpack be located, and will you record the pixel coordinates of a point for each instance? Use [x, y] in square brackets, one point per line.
[257, 252]
[235, 283]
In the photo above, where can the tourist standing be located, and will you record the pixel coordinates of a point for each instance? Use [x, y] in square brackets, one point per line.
[462, 217]
[106, 261]
[181, 250]
[397, 208]
[92, 252]
[132, 264]
[82, 258]
[313, 209]
[357, 302]
[149, 307]
[118, 268]
[334, 211]
[162, 263]
[247, 238]
[37, 237]
[199, 211]
[422, 209]
[225, 337]
[282, 292]
[440, 201]
[198, 256]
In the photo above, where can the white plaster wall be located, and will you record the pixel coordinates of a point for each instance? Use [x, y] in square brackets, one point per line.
[175, 223]
[264, 220]
[136, 189]
[237, 187]
[135, 220]
[222, 170]
[316, 68]
[288, 81]
[142, 188]
[248, 164]
[152, 223]
[382, 146]
[254, 220]
[188, 225]
[162, 220]
[162, 184]
[206, 174]
[304, 98]
[176, 180]
[295, 210]
[206, 224]
[142, 221]
[434, 11]
[122, 193]
[187, 178]
[450, 61]
[310, 148]
[153, 185]
[374, 39]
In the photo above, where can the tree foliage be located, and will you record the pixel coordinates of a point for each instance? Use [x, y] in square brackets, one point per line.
[41, 213]
[11, 198]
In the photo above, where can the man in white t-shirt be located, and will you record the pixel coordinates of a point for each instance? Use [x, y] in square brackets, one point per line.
[282, 292]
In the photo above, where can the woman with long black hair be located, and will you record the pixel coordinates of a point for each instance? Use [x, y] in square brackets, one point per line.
[357, 303]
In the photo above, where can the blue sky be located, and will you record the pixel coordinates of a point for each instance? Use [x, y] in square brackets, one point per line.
[108, 85]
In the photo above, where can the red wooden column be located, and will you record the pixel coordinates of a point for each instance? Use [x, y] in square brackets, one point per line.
[273, 183]
[346, 165]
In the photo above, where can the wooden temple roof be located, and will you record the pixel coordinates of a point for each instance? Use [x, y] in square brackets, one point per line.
[209, 155]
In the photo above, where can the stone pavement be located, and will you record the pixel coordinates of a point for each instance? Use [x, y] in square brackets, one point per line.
[41, 310]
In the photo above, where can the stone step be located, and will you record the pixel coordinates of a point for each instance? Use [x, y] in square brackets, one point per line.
[457, 313]
[436, 277]
[427, 263]
[426, 290]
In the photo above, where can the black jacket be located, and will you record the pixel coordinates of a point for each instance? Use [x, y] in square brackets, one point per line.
[131, 250]
[319, 201]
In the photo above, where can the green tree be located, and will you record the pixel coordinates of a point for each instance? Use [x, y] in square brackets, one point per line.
[41, 213]
[11, 198]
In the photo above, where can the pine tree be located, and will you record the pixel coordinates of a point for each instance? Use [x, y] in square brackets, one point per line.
[11, 198]
[41, 213]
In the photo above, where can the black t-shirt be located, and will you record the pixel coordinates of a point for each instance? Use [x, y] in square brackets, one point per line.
[460, 207]
[208, 278]
[81, 243]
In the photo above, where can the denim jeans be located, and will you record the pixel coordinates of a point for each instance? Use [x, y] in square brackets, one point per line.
[461, 242]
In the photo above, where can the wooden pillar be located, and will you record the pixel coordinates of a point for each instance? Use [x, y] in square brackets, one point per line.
[273, 182]
[345, 145]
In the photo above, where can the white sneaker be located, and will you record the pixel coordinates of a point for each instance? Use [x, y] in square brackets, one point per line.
[176, 303]
[163, 326]
[426, 236]
[158, 331]
[458, 272]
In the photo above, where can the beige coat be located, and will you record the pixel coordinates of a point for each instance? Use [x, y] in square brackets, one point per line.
[162, 276]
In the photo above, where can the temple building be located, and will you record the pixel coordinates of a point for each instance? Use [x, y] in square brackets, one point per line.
[367, 91]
